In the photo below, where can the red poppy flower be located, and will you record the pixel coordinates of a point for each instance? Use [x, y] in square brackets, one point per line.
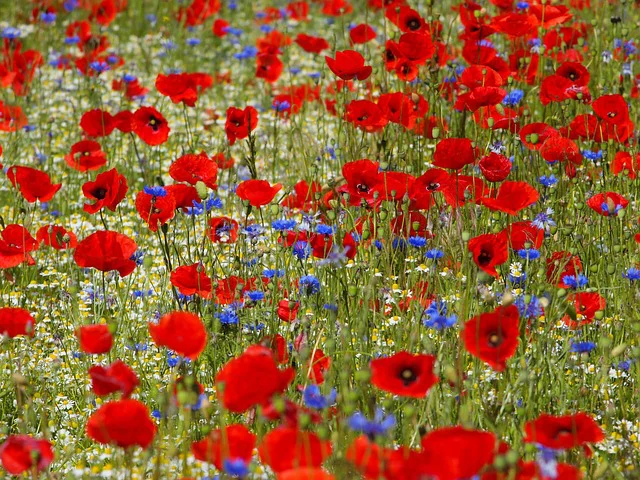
[85, 156]
[511, 198]
[304, 474]
[231, 442]
[33, 184]
[406, 18]
[489, 250]
[303, 196]
[15, 244]
[193, 168]
[404, 374]
[493, 337]
[285, 448]
[182, 332]
[183, 87]
[257, 192]
[24, 454]
[336, 8]
[365, 115]
[108, 190]
[561, 149]
[612, 109]
[287, 310]
[456, 452]
[413, 46]
[94, 339]
[268, 67]
[117, 377]
[586, 305]
[124, 423]
[534, 135]
[156, 209]
[311, 44]
[362, 33]
[575, 72]
[495, 167]
[607, 204]
[192, 280]
[105, 251]
[560, 265]
[240, 123]
[623, 161]
[16, 321]
[348, 65]
[132, 89]
[123, 121]
[523, 232]
[149, 124]
[454, 153]
[278, 346]
[563, 431]
[318, 366]
[222, 230]
[251, 379]
[104, 12]
[57, 237]
[366, 456]
[97, 123]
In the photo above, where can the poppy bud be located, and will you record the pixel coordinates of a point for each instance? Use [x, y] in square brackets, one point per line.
[201, 188]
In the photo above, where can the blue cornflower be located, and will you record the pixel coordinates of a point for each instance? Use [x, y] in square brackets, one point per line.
[632, 274]
[11, 33]
[513, 98]
[138, 347]
[72, 40]
[590, 155]
[253, 231]
[378, 244]
[434, 254]
[309, 285]
[548, 181]
[582, 347]
[528, 310]
[314, 399]
[70, 5]
[301, 249]
[436, 316]
[235, 467]
[155, 191]
[529, 253]
[227, 316]
[99, 67]
[138, 257]
[573, 281]
[547, 463]
[336, 256]
[399, 243]
[273, 273]
[544, 220]
[236, 32]
[380, 424]
[518, 279]
[266, 28]
[324, 229]
[605, 209]
[417, 242]
[247, 52]
[48, 17]
[172, 359]
[624, 365]
[331, 307]
[522, 5]
[128, 78]
[283, 224]
[281, 105]
[255, 295]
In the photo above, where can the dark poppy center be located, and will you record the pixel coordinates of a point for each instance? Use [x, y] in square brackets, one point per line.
[433, 186]
[361, 187]
[484, 258]
[413, 24]
[562, 431]
[154, 123]
[495, 339]
[389, 55]
[408, 376]
[99, 193]
[611, 114]
[573, 76]
[362, 118]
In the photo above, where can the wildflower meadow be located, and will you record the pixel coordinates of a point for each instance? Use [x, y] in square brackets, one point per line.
[320, 239]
